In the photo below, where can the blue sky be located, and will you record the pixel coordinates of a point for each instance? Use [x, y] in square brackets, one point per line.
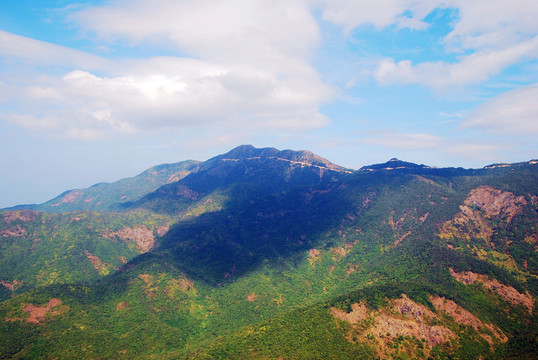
[101, 90]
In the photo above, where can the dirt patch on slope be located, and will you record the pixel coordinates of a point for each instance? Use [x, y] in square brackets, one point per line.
[401, 319]
[122, 306]
[23, 215]
[358, 312]
[506, 292]
[352, 268]
[69, 198]
[341, 251]
[16, 231]
[162, 230]
[102, 268]
[181, 284]
[481, 205]
[314, 256]
[37, 314]
[11, 285]
[148, 279]
[140, 235]
[464, 317]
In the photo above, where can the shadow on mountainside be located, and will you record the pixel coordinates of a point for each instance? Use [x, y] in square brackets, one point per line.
[221, 246]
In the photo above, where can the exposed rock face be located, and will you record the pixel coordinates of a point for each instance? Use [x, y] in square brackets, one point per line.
[36, 314]
[11, 285]
[482, 204]
[140, 235]
[508, 293]
[16, 231]
[102, 268]
[493, 202]
[416, 324]
[401, 318]
[23, 215]
[464, 317]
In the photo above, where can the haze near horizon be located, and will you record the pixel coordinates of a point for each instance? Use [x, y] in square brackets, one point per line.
[103, 90]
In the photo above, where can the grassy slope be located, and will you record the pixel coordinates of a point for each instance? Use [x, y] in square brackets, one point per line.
[288, 273]
[116, 195]
[39, 249]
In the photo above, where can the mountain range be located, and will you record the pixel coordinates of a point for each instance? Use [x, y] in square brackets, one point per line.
[268, 254]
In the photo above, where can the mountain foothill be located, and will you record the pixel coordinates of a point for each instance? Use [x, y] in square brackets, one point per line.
[267, 254]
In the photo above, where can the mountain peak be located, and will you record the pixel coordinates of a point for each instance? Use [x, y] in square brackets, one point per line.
[393, 164]
[247, 151]
[297, 157]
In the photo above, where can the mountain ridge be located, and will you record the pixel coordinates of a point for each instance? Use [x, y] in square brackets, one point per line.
[123, 193]
[415, 262]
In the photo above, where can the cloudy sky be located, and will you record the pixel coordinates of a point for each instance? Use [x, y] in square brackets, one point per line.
[100, 90]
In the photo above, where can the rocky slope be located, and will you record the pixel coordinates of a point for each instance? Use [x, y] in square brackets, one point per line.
[270, 259]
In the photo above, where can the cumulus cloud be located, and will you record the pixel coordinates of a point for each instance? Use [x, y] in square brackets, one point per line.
[168, 92]
[471, 69]
[490, 35]
[278, 35]
[350, 14]
[512, 113]
[46, 54]
[240, 63]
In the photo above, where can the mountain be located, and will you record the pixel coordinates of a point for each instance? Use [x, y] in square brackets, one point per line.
[242, 173]
[394, 164]
[117, 195]
[406, 262]
[40, 249]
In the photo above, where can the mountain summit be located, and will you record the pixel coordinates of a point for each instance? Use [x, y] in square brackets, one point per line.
[267, 254]
[394, 164]
[301, 157]
[247, 170]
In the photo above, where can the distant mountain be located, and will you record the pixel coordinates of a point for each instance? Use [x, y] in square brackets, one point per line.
[117, 195]
[268, 254]
[393, 164]
[242, 173]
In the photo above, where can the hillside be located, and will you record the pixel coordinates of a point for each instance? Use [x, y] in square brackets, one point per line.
[300, 259]
[240, 174]
[117, 195]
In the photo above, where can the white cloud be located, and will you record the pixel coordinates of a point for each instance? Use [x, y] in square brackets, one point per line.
[492, 24]
[240, 63]
[471, 69]
[430, 148]
[277, 35]
[350, 14]
[512, 113]
[491, 35]
[166, 92]
[247, 66]
[46, 54]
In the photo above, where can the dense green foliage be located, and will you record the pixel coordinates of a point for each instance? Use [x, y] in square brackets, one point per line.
[261, 253]
[117, 195]
[39, 249]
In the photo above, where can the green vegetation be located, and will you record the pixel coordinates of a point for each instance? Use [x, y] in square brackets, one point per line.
[257, 266]
[117, 195]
